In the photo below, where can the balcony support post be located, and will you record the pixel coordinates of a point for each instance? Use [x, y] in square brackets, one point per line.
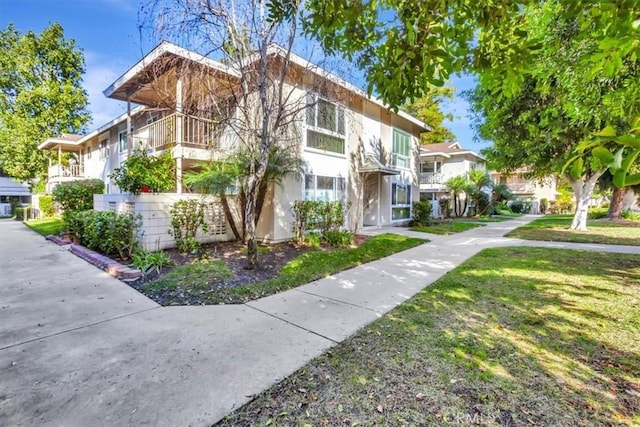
[129, 128]
[179, 135]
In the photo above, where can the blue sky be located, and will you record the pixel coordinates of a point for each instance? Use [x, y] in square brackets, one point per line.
[107, 32]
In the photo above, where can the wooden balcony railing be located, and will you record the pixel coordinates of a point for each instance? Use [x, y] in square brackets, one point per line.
[71, 171]
[161, 134]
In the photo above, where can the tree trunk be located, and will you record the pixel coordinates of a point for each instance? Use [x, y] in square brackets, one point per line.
[583, 190]
[262, 195]
[227, 213]
[615, 208]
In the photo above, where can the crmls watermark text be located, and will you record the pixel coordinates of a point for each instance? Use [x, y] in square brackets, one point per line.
[478, 418]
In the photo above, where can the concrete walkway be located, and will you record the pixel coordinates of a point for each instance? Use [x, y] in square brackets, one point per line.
[79, 348]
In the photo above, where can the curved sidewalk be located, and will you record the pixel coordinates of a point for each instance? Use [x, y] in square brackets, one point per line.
[78, 347]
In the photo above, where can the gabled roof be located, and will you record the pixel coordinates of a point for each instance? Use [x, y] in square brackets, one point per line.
[121, 87]
[447, 150]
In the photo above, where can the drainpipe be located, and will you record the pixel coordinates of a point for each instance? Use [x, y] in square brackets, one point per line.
[179, 135]
[59, 160]
[379, 198]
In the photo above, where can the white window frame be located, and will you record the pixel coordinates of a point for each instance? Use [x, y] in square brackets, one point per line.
[400, 160]
[122, 149]
[103, 146]
[396, 205]
[311, 122]
[437, 166]
[339, 188]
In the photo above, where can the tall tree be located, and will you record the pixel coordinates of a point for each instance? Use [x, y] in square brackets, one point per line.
[427, 108]
[40, 96]
[259, 104]
[538, 122]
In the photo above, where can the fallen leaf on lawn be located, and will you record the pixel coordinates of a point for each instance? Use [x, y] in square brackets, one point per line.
[420, 396]
[380, 409]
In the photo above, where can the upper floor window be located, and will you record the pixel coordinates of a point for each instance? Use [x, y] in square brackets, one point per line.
[122, 140]
[325, 125]
[431, 167]
[104, 149]
[401, 150]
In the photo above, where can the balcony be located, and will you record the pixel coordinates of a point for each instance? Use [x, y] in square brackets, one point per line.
[162, 134]
[61, 173]
[430, 178]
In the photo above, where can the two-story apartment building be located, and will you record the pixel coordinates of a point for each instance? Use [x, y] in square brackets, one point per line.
[530, 190]
[172, 85]
[441, 162]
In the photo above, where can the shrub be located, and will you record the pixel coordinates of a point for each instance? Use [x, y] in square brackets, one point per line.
[147, 262]
[445, 207]
[106, 232]
[421, 213]
[77, 195]
[45, 202]
[156, 173]
[483, 204]
[339, 238]
[187, 217]
[544, 205]
[597, 213]
[73, 221]
[314, 215]
[520, 206]
[630, 215]
[22, 213]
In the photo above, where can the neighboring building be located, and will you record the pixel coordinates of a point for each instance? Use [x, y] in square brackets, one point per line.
[341, 119]
[529, 190]
[441, 162]
[11, 190]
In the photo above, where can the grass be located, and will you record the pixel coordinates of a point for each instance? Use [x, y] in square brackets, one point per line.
[196, 284]
[556, 228]
[514, 336]
[447, 227]
[46, 226]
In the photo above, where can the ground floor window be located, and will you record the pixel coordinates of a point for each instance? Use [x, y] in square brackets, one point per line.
[400, 201]
[325, 188]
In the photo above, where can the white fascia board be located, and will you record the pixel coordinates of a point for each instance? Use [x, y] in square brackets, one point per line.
[279, 50]
[161, 49]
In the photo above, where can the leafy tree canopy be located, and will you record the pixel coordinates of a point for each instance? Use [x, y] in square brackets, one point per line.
[405, 46]
[40, 96]
[427, 109]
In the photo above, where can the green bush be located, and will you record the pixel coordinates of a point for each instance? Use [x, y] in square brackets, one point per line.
[421, 213]
[544, 205]
[597, 213]
[45, 202]
[315, 215]
[520, 206]
[483, 204]
[77, 195]
[106, 232]
[22, 213]
[140, 170]
[339, 238]
[630, 215]
[147, 262]
[187, 217]
[444, 207]
[73, 221]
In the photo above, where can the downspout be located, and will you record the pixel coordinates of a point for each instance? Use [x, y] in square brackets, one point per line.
[129, 129]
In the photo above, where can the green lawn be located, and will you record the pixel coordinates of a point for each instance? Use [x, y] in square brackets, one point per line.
[46, 226]
[556, 228]
[514, 336]
[447, 227]
[200, 284]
